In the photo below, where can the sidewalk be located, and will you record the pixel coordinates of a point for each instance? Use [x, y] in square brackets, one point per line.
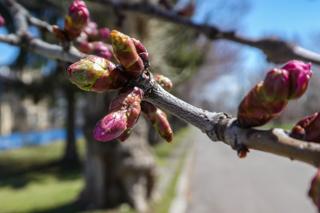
[220, 182]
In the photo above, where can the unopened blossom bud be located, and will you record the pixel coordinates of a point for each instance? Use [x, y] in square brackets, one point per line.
[77, 19]
[256, 110]
[130, 102]
[308, 128]
[104, 34]
[111, 126]
[126, 53]
[163, 126]
[164, 81]
[142, 51]
[2, 21]
[276, 85]
[158, 119]
[101, 49]
[95, 74]
[300, 74]
[267, 99]
[314, 191]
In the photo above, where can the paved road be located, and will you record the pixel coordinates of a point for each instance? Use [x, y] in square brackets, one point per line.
[222, 183]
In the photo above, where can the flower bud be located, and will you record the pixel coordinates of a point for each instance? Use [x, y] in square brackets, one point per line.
[300, 74]
[126, 53]
[158, 119]
[163, 126]
[97, 48]
[94, 34]
[256, 110]
[267, 99]
[308, 128]
[276, 85]
[142, 51]
[111, 126]
[130, 102]
[104, 34]
[163, 81]
[77, 19]
[314, 191]
[95, 74]
[91, 28]
[2, 21]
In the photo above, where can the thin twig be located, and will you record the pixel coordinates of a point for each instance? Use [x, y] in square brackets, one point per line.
[276, 50]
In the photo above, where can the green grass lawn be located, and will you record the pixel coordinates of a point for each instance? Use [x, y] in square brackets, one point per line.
[31, 179]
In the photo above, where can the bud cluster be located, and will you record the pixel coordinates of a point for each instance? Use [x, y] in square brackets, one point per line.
[269, 97]
[124, 113]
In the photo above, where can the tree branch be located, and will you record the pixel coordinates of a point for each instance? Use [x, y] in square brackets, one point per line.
[276, 50]
[222, 127]
[218, 126]
[23, 39]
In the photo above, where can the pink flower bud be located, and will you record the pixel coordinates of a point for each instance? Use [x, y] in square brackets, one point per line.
[2, 21]
[130, 102]
[314, 191]
[256, 110]
[163, 81]
[158, 119]
[111, 126]
[95, 74]
[300, 74]
[276, 85]
[104, 34]
[308, 128]
[126, 53]
[101, 49]
[267, 99]
[77, 19]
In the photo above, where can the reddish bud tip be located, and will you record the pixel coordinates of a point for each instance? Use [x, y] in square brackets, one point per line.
[111, 126]
[300, 74]
[308, 128]
[104, 33]
[77, 18]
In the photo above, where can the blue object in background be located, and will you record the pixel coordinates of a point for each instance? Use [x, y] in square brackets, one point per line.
[18, 140]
